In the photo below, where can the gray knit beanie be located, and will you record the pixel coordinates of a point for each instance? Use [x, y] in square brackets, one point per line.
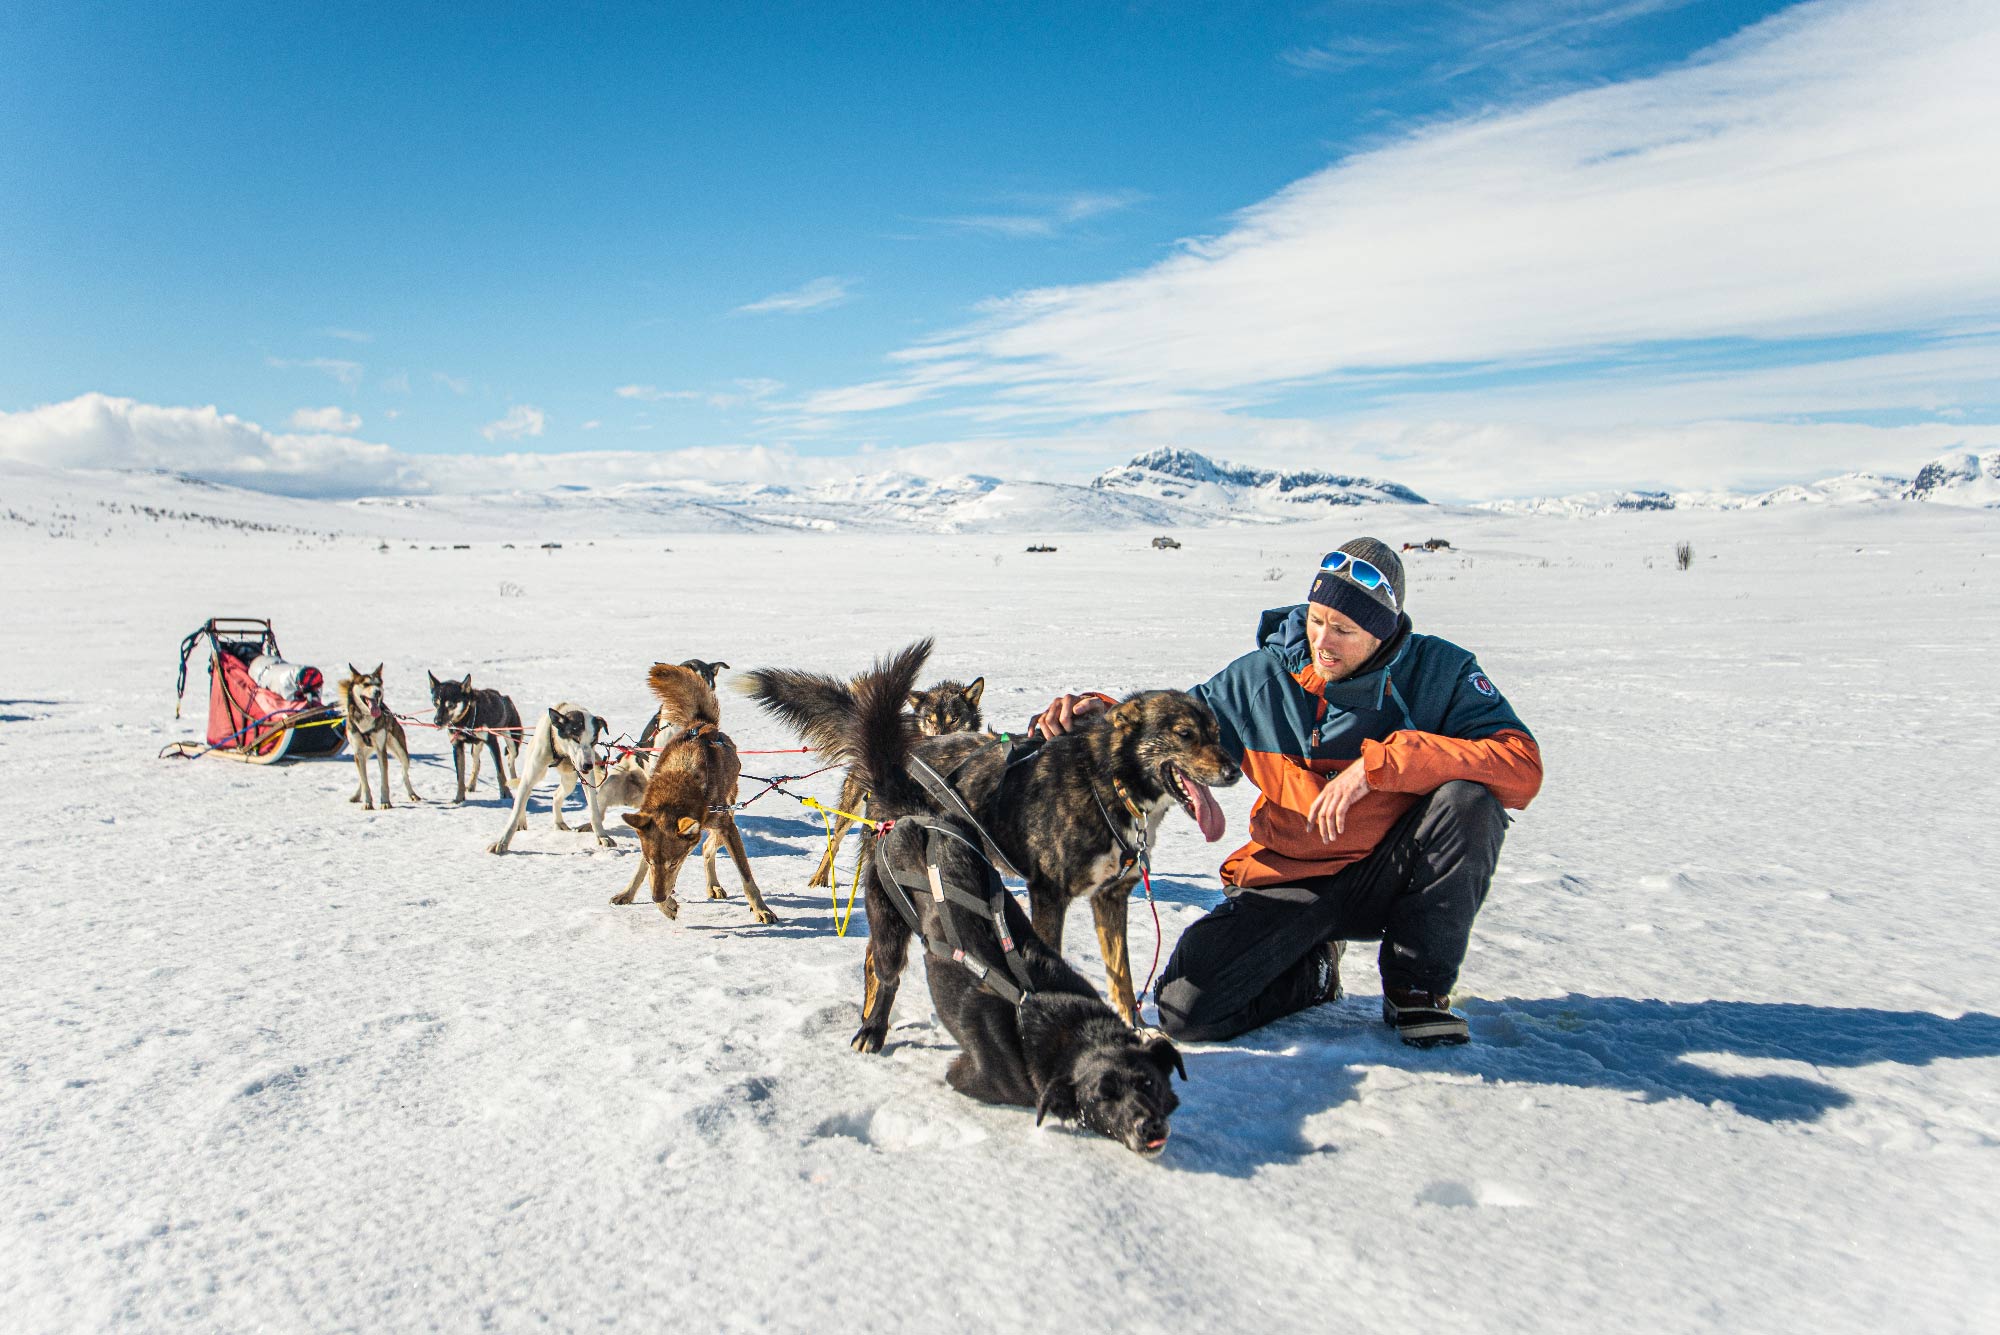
[1374, 604]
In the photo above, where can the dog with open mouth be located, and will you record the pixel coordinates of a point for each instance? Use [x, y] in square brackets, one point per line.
[1045, 1039]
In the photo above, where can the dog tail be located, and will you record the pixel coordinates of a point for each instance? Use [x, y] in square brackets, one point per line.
[684, 697]
[861, 724]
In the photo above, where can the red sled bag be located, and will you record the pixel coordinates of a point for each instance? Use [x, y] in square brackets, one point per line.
[248, 720]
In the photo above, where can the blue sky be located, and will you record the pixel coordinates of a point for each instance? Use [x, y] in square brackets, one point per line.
[1434, 242]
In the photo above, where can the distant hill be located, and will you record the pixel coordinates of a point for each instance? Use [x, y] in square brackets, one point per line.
[1961, 478]
[1183, 477]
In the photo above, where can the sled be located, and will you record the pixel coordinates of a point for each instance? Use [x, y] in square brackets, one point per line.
[247, 719]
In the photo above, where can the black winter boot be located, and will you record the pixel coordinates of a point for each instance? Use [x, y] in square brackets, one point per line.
[1422, 1019]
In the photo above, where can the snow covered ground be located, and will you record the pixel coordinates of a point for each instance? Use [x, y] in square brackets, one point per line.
[276, 1063]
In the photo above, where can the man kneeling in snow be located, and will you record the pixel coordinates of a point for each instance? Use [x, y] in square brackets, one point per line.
[1382, 758]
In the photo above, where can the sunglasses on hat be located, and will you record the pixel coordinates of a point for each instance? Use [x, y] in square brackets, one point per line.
[1361, 572]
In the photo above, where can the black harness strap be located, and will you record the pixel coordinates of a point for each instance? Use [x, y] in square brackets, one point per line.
[992, 906]
[947, 796]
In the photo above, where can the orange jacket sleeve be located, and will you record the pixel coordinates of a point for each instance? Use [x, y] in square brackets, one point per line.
[1508, 762]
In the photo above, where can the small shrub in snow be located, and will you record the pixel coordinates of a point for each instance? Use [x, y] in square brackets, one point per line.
[1683, 555]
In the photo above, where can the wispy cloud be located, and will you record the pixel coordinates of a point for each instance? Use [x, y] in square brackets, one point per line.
[816, 295]
[654, 394]
[456, 384]
[1826, 173]
[346, 372]
[1339, 54]
[398, 383]
[749, 390]
[521, 421]
[349, 335]
[1045, 216]
[325, 419]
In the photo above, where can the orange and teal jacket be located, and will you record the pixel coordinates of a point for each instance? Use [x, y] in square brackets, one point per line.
[1420, 714]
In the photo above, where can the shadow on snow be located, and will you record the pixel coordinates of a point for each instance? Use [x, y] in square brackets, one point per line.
[1279, 1076]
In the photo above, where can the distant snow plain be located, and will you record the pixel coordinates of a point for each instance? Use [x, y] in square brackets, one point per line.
[273, 1062]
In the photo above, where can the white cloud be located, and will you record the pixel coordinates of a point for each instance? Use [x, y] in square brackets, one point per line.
[1826, 173]
[325, 419]
[522, 420]
[816, 295]
[398, 383]
[1046, 217]
[653, 394]
[100, 431]
[346, 372]
[591, 425]
[455, 384]
[349, 335]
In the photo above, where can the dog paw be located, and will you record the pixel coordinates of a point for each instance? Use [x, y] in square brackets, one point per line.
[764, 916]
[717, 892]
[622, 897]
[868, 1038]
[355, 798]
[496, 848]
[817, 881]
[606, 841]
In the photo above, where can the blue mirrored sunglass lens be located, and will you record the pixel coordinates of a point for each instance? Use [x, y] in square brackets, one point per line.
[1333, 561]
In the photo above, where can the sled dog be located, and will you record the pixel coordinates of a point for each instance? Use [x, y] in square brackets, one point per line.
[565, 739]
[474, 719]
[692, 786]
[946, 707]
[1070, 815]
[371, 728]
[1059, 1049]
[701, 667]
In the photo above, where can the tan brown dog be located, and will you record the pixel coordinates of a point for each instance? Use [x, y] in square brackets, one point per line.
[692, 786]
[944, 709]
[372, 728]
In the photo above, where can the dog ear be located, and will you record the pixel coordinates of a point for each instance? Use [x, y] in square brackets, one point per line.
[976, 689]
[917, 699]
[598, 727]
[466, 685]
[1163, 1054]
[555, 719]
[352, 670]
[1058, 1101]
[377, 673]
[718, 667]
[688, 826]
[1128, 715]
[435, 683]
[638, 820]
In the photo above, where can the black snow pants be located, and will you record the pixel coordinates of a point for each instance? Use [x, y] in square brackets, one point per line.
[1248, 961]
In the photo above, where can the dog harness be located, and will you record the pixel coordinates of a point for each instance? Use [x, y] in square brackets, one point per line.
[897, 838]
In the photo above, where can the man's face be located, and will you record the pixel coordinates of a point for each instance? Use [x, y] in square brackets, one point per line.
[1338, 645]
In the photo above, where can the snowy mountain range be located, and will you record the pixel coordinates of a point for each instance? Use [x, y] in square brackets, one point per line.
[1164, 489]
[1961, 478]
[1186, 478]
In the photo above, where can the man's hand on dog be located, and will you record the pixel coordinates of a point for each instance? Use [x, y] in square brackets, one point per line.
[1062, 713]
[1328, 813]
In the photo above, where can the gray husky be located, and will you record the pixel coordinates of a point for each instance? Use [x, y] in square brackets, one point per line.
[372, 729]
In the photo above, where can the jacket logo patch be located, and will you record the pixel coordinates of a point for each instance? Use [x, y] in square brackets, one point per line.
[1483, 686]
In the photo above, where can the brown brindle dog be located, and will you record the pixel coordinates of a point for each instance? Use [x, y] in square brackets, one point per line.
[944, 709]
[691, 788]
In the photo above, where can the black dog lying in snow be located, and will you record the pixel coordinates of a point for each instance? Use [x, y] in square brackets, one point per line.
[1060, 1049]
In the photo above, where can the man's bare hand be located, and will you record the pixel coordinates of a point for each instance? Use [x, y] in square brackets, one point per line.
[1062, 713]
[1328, 813]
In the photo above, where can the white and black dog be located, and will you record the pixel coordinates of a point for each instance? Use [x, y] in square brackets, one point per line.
[566, 738]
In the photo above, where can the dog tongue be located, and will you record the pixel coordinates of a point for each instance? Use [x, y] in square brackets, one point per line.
[1206, 813]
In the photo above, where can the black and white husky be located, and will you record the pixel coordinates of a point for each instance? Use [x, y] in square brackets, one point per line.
[565, 739]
